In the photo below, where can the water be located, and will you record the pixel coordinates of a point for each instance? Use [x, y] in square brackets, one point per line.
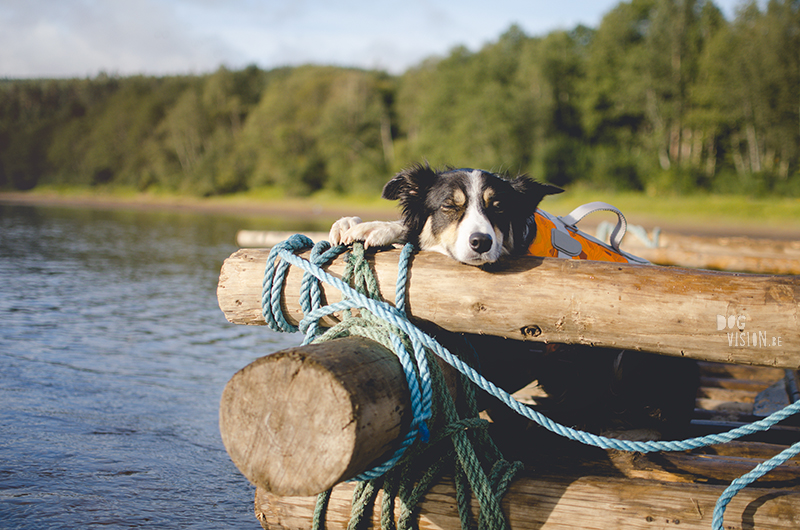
[113, 357]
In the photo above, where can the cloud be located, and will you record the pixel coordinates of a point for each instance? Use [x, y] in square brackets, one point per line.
[57, 38]
[54, 38]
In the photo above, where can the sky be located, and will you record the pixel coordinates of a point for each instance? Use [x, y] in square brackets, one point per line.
[82, 38]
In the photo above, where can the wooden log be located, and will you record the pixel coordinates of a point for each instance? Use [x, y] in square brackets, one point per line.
[718, 464]
[750, 373]
[544, 502]
[714, 316]
[303, 419]
[259, 238]
[763, 256]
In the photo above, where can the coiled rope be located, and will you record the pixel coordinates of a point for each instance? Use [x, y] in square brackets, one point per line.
[406, 337]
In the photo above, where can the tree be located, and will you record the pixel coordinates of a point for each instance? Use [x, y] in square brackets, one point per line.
[665, 95]
[751, 88]
[318, 127]
[644, 67]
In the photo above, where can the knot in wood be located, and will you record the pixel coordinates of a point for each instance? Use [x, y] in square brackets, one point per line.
[478, 307]
[531, 331]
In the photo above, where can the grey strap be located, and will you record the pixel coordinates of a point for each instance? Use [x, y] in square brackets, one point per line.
[582, 211]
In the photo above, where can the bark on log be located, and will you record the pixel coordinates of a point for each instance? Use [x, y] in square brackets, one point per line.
[567, 501]
[303, 419]
[706, 315]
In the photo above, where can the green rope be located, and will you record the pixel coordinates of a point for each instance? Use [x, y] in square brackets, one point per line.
[321, 509]
[461, 443]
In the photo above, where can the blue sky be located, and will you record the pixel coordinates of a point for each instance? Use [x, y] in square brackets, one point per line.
[79, 38]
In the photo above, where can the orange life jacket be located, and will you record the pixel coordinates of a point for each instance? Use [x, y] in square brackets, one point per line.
[558, 237]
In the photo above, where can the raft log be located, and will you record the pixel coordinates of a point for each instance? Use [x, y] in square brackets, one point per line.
[708, 315]
[298, 421]
[557, 501]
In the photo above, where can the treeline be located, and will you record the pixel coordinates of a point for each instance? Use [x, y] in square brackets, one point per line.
[664, 96]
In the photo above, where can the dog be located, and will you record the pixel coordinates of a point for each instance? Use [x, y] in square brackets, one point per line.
[477, 217]
[473, 216]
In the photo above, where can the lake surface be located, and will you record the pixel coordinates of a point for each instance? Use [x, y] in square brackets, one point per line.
[113, 357]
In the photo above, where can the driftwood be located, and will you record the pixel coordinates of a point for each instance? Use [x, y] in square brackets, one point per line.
[706, 315]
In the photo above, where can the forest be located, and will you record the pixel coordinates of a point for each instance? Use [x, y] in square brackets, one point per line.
[664, 96]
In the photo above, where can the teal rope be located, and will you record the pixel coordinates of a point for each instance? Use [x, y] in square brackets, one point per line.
[273, 315]
[748, 478]
[320, 509]
[416, 371]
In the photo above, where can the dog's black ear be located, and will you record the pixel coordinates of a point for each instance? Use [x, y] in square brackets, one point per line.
[532, 189]
[409, 182]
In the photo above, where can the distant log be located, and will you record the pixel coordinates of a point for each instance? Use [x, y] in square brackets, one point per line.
[261, 238]
[556, 501]
[303, 419]
[714, 316]
[763, 256]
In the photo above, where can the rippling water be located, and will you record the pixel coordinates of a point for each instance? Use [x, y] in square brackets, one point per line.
[113, 357]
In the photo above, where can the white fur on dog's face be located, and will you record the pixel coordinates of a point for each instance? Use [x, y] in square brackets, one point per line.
[459, 217]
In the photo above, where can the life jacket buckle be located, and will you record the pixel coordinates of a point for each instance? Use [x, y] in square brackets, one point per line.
[562, 242]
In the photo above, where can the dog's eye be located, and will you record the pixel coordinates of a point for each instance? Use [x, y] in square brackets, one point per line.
[496, 206]
[449, 207]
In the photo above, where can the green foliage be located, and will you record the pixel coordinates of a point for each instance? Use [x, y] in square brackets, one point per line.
[319, 127]
[664, 96]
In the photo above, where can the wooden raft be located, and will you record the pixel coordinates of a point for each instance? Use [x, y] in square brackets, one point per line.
[264, 421]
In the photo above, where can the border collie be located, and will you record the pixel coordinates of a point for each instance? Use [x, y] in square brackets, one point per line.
[471, 215]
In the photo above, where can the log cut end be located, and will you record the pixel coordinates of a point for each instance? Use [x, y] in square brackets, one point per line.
[292, 424]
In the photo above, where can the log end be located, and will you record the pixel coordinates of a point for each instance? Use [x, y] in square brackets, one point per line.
[301, 420]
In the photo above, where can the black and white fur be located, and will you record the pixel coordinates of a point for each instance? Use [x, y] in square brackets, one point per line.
[471, 215]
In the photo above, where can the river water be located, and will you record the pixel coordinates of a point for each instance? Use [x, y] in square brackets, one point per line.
[113, 357]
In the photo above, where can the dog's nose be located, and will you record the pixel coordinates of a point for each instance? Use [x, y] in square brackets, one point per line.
[480, 243]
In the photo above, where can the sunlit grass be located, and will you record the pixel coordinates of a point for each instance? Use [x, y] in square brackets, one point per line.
[709, 210]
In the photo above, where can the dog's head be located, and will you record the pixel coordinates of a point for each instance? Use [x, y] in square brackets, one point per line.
[470, 215]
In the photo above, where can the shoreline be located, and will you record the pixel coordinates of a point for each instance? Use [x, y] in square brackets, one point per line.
[315, 211]
[235, 206]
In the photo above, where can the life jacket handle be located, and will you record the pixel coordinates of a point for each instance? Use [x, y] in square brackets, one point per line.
[580, 212]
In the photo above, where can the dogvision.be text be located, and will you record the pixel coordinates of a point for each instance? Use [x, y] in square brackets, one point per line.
[740, 338]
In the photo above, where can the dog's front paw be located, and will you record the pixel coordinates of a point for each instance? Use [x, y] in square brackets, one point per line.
[376, 233]
[340, 228]
[373, 233]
